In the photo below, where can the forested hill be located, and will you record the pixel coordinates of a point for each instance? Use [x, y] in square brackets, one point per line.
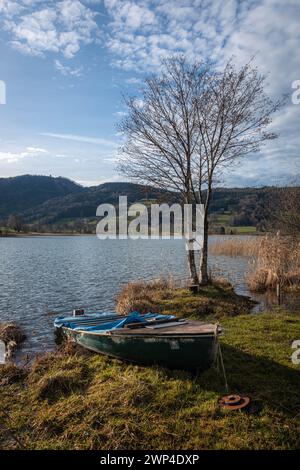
[59, 204]
[84, 204]
[21, 193]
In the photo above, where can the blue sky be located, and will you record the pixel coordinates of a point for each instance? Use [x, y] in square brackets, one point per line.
[66, 64]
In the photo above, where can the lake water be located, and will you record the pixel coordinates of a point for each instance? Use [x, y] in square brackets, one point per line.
[41, 277]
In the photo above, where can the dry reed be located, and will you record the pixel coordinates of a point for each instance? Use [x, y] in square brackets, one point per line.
[277, 264]
[236, 247]
[274, 260]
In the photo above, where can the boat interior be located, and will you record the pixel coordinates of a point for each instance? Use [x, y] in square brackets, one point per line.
[135, 323]
[110, 322]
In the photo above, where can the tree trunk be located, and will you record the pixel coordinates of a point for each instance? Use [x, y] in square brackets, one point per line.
[192, 267]
[189, 242]
[203, 269]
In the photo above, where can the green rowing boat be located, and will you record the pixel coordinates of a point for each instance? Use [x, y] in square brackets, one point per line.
[153, 339]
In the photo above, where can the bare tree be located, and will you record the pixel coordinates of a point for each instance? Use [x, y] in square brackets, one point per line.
[233, 113]
[282, 208]
[15, 222]
[189, 124]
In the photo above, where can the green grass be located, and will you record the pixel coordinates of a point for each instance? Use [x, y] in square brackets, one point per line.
[242, 229]
[73, 399]
[223, 219]
[7, 230]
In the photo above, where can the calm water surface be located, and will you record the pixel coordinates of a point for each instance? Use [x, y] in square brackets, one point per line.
[41, 277]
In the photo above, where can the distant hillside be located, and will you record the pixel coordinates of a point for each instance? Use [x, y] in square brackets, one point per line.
[21, 193]
[84, 204]
[58, 204]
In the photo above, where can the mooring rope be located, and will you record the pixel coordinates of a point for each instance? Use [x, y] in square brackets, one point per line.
[223, 367]
[219, 357]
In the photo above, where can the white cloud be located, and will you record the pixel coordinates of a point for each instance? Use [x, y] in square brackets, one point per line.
[134, 81]
[61, 155]
[9, 8]
[120, 113]
[13, 157]
[82, 138]
[202, 29]
[88, 182]
[60, 27]
[67, 70]
[36, 150]
[139, 103]
[130, 15]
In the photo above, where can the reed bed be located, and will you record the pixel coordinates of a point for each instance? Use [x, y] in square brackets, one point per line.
[247, 246]
[274, 260]
[276, 265]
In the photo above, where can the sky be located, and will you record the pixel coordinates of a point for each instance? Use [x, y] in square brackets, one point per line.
[66, 64]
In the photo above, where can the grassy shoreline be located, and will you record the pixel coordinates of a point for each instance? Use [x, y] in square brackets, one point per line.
[73, 399]
[214, 301]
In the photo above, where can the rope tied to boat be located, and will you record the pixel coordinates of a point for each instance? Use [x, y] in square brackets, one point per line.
[233, 402]
[219, 356]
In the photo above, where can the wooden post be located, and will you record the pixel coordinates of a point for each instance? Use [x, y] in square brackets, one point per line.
[194, 288]
[278, 293]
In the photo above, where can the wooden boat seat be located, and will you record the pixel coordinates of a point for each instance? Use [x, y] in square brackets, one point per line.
[188, 327]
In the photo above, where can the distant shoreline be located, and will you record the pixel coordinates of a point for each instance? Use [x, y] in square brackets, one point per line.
[66, 234]
[44, 234]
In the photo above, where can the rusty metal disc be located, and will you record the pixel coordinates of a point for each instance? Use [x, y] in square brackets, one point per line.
[234, 402]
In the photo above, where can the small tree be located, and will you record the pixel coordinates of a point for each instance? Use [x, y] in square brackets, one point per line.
[15, 223]
[190, 123]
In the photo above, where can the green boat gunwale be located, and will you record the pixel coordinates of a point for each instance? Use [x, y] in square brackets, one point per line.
[144, 335]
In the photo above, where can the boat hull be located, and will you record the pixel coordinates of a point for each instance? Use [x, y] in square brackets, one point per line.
[189, 352]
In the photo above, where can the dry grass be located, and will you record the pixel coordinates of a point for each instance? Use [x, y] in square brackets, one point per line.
[277, 263]
[11, 332]
[142, 296]
[161, 296]
[273, 260]
[236, 247]
[10, 373]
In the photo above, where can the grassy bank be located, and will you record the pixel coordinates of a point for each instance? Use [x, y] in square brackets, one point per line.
[215, 300]
[73, 399]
